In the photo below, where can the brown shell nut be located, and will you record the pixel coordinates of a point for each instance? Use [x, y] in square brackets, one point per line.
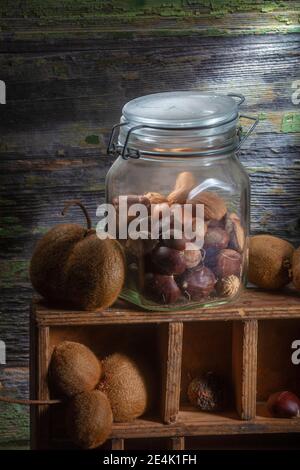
[192, 255]
[270, 260]
[185, 182]
[236, 232]
[162, 288]
[214, 206]
[216, 238]
[197, 284]
[228, 286]
[156, 198]
[228, 262]
[296, 268]
[207, 392]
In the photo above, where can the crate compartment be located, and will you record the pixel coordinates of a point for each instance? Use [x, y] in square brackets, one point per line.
[275, 370]
[104, 340]
[207, 346]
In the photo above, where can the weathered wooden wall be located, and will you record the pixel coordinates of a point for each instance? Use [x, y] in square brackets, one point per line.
[69, 66]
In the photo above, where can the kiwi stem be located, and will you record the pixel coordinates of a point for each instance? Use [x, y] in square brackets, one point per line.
[29, 402]
[76, 202]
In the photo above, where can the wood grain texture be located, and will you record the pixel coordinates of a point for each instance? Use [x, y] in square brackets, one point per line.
[172, 371]
[253, 304]
[117, 444]
[177, 443]
[244, 366]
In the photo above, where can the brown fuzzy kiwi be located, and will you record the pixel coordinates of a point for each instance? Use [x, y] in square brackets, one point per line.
[74, 368]
[89, 419]
[70, 264]
[269, 261]
[296, 268]
[50, 254]
[94, 273]
[125, 385]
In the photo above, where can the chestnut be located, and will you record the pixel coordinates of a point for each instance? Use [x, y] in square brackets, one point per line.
[168, 261]
[174, 242]
[192, 255]
[216, 238]
[162, 288]
[284, 405]
[228, 262]
[197, 284]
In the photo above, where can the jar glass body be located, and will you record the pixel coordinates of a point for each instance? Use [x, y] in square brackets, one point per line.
[216, 273]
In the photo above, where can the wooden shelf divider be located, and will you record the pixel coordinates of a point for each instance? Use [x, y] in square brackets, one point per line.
[244, 366]
[172, 357]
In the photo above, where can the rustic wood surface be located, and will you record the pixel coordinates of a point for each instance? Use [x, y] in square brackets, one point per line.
[253, 304]
[70, 66]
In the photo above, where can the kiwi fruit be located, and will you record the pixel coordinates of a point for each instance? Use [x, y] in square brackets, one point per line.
[89, 419]
[124, 383]
[296, 268]
[71, 265]
[269, 261]
[74, 368]
[94, 273]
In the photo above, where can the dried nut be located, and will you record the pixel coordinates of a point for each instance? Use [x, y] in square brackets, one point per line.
[185, 182]
[162, 288]
[168, 261]
[156, 198]
[284, 405]
[228, 286]
[198, 229]
[216, 223]
[216, 238]
[208, 392]
[132, 199]
[197, 284]
[192, 255]
[236, 232]
[214, 205]
[296, 268]
[175, 240]
[228, 262]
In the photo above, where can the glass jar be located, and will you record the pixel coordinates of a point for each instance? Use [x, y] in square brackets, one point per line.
[181, 199]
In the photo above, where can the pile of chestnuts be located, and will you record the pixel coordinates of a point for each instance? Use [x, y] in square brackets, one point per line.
[173, 269]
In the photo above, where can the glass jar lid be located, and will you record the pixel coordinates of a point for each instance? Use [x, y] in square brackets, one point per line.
[181, 109]
[182, 123]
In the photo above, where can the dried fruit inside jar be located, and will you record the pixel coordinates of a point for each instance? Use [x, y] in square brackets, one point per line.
[177, 267]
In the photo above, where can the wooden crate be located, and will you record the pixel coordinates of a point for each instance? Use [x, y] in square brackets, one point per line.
[249, 342]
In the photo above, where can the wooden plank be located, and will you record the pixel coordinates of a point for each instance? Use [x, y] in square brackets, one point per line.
[171, 370]
[195, 423]
[117, 444]
[86, 26]
[244, 367]
[177, 443]
[253, 304]
[42, 414]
